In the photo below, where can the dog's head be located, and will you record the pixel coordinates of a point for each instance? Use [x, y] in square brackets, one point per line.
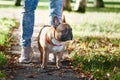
[63, 31]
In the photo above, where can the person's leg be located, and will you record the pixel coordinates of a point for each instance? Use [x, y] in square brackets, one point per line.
[27, 25]
[56, 8]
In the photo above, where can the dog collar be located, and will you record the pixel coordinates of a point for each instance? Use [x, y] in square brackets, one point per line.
[51, 43]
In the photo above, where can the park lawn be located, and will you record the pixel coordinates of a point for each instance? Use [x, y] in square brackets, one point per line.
[98, 24]
[96, 45]
[97, 57]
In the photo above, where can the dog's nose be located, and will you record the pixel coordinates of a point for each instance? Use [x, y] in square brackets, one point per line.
[71, 37]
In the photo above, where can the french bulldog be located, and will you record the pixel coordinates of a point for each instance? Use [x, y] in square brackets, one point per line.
[52, 39]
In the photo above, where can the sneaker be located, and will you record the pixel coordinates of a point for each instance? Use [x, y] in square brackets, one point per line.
[26, 55]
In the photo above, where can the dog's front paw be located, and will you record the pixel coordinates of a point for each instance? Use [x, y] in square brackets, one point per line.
[59, 66]
[43, 66]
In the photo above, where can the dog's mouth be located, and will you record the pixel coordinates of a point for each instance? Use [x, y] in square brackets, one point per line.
[66, 37]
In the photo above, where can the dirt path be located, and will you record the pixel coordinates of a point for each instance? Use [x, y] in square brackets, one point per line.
[32, 71]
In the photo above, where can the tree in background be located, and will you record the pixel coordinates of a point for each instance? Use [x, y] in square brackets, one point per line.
[67, 5]
[98, 3]
[80, 6]
[17, 2]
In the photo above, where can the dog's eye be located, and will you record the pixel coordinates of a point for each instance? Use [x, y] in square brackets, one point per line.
[71, 29]
[64, 31]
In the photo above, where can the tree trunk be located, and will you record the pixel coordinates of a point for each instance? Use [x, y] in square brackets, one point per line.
[80, 6]
[67, 5]
[17, 2]
[98, 3]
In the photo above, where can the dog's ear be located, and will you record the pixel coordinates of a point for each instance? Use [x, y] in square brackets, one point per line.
[56, 21]
[63, 19]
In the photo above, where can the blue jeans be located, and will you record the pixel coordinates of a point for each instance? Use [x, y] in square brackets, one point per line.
[27, 22]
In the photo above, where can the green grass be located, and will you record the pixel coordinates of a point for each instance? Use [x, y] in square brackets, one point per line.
[99, 65]
[2, 75]
[96, 45]
[5, 25]
[3, 59]
[98, 24]
[97, 55]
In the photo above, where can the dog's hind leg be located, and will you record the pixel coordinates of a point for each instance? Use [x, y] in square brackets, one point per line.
[41, 50]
